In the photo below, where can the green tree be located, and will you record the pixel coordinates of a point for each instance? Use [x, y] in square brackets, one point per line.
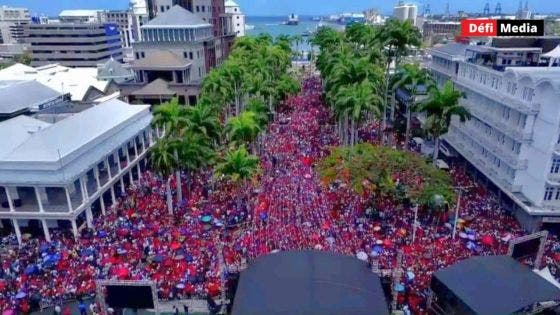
[164, 163]
[243, 129]
[239, 166]
[440, 106]
[410, 77]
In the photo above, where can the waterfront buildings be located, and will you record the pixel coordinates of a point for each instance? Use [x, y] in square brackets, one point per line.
[237, 17]
[73, 44]
[513, 138]
[50, 179]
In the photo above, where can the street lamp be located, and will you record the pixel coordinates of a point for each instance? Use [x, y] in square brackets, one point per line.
[460, 191]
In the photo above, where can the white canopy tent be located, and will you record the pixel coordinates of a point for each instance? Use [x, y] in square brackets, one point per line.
[553, 55]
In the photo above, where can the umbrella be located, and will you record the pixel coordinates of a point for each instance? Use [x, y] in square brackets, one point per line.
[175, 245]
[388, 243]
[121, 251]
[463, 235]
[31, 269]
[362, 256]
[410, 275]
[399, 287]
[218, 223]
[378, 249]
[377, 228]
[487, 240]
[158, 258]
[21, 295]
[379, 242]
[102, 234]
[471, 237]
[44, 248]
[471, 245]
[264, 216]
[86, 252]
[206, 218]
[180, 286]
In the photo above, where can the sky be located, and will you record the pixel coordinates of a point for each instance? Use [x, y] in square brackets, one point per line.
[302, 7]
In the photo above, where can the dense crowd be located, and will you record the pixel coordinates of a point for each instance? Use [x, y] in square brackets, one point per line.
[286, 208]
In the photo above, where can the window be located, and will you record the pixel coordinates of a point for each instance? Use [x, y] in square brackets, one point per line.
[143, 55]
[557, 197]
[548, 193]
[555, 168]
[191, 55]
[528, 93]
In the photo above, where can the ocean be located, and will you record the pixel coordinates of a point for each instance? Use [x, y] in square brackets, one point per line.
[273, 25]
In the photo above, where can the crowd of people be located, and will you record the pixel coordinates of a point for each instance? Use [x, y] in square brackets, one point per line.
[287, 207]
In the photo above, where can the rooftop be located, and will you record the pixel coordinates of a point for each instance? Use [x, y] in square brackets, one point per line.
[75, 81]
[177, 16]
[161, 60]
[16, 96]
[42, 153]
[78, 13]
[513, 286]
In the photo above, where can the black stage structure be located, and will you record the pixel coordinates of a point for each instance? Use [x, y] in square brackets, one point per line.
[490, 285]
[309, 282]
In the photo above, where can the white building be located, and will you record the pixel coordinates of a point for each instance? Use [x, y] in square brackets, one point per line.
[79, 16]
[82, 84]
[513, 138]
[12, 21]
[237, 17]
[49, 179]
[405, 12]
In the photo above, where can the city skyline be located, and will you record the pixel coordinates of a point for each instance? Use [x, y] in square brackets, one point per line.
[310, 7]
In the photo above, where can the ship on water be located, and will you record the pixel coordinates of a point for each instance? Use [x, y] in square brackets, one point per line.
[293, 19]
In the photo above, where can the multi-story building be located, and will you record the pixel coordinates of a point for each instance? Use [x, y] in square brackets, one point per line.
[12, 22]
[436, 31]
[73, 45]
[124, 19]
[513, 138]
[237, 17]
[50, 180]
[170, 60]
[140, 15]
[79, 16]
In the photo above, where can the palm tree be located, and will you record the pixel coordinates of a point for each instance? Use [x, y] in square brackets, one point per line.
[164, 162]
[239, 167]
[354, 102]
[243, 129]
[410, 76]
[173, 118]
[397, 37]
[195, 153]
[203, 121]
[440, 106]
[232, 73]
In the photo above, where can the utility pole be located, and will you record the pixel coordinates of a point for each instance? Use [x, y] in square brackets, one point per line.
[457, 207]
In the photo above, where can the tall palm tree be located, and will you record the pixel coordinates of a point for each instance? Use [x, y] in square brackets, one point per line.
[239, 166]
[397, 37]
[243, 129]
[195, 153]
[173, 118]
[164, 162]
[232, 73]
[203, 121]
[411, 76]
[440, 106]
[354, 102]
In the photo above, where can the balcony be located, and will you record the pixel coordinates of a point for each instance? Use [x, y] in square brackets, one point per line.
[516, 133]
[503, 180]
[482, 139]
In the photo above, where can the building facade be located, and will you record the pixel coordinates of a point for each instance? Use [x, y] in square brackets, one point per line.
[124, 19]
[513, 138]
[437, 31]
[171, 58]
[12, 22]
[73, 45]
[237, 17]
[50, 181]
